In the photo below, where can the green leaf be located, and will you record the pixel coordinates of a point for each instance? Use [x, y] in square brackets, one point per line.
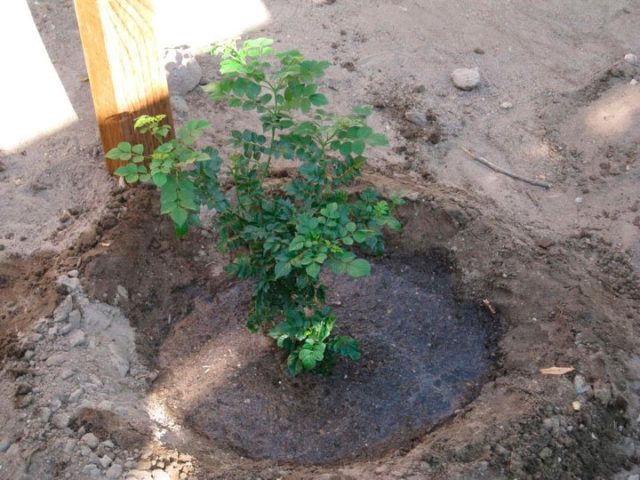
[360, 236]
[346, 346]
[282, 269]
[318, 99]
[160, 179]
[179, 216]
[313, 270]
[296, 244]
[359, 268]
[138, 149]
[311, 354]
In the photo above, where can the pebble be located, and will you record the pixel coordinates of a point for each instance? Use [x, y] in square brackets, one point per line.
[68, 284]
[77, 338]
[72, 273]
[466, 78]
[62, 311]
[179, 104]
[633, 82]
[579, 199]
[416, 117]
[506, 105]
[105, 461]
[76, 394]
[29, 354]
[56, 359]
[70, 446]
[545, 452]
[581, 385]
[122, 292]
[5, 443]
[633, 477]
[53, 331]
[158, 474]
[65, 329]
[115, 471]
[576, 405]
[632, 59]
[90, 439]
[108, 444]
[45, 414]
[66, 373]
[61, 420]
[75, 318]
[36, 337]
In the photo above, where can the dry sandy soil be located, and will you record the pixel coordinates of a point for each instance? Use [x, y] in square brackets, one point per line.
[100, 387]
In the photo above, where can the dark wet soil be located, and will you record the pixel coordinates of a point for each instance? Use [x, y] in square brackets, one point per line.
[424, 354]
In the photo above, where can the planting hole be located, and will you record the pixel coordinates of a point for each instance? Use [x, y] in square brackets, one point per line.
[425, 351]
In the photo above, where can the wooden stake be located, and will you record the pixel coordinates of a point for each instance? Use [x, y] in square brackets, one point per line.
[124, 68]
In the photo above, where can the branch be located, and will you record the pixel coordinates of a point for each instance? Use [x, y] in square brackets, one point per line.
[487, 163]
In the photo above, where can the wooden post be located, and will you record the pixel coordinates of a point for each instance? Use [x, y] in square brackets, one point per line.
[124, 68]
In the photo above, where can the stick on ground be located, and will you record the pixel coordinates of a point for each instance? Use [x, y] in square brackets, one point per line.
[496, 168]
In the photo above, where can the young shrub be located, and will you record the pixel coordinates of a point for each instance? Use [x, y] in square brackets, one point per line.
[280, 236]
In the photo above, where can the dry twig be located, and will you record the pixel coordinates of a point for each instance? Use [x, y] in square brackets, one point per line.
[496, 168]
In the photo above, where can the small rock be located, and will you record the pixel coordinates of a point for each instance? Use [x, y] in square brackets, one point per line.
[545, 453]
[73, 273]
[70, 446]
[65, 329]
[29, 354]
[478, 51]
[633, 82]
[182, 69]
[581, 385]
[579, 200]
[576, 405]
[53, 331]
[62, 311]
[179, 104]
[159, 474]
[90, 439]
[61, 420]
[36, 337]
[632, 59]
[75, 318]
[23, 401]
[633, 477]
[506, 105]
[76, 394]
[66, 373]
[122, 292]
[416, 117]
[105, 461]
[56, 359]
[45, 414]
[466, 78]
[67, 284]
[5, 443]
[77, 338]
[115, 471]
[55, 404]
[119, 361]
[108, 444]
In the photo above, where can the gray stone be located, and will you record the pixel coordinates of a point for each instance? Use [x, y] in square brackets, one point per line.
[62, 311]
[581, 385]
[65, 329]
[75, 319]
[182, 69]
[29, 354]
[36, 337]
[416, 117]
[179, 105]
[76, 394]
[95, 320]
[466, 78]
[119, 361]
[61, 420]
[108, 444]
[72, 273]
[105, 461]
[70, 446]
[632, 59]
[77, 338]
[56, 359]
[506, 105]
[66, 373]
[115, 471]
[122, 292]
[68, 284]
[633, 477]
[45, 413]
[90, 439]
[5, 443]
[53, 331]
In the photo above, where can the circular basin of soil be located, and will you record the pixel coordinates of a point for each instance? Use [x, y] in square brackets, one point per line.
[424, 353]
